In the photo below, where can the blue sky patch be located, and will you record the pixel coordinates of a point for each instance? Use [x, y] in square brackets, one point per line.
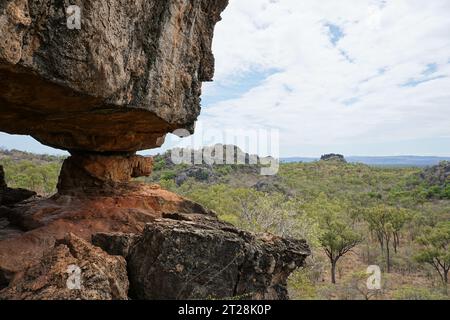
[350, 101]
[237, 88]
[415, 82]
[431, 68]
[335, 33]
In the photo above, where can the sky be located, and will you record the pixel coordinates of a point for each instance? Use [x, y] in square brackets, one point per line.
[357, 77]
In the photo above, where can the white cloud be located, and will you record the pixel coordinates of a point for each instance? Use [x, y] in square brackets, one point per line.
[351, 93]
[277, 67]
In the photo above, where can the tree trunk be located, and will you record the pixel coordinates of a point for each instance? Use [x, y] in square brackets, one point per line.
[446, 281]
[333, 272]
[388, 257]
[381, 242]
[396, 242]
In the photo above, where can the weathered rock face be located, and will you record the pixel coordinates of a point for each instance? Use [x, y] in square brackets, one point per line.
[189, 256]
[39, 223]
[131, 74]
[100, 276]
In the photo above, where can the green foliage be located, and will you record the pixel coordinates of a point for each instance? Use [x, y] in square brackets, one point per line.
[168, 175]
[435, 249]
[338, 237]
[28, 174]
[302, 285]
[159, 164]
[417, 293]
[386, 222]
[446, 192]
[330, 204]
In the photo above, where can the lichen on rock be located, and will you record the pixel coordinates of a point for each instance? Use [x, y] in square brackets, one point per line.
[191, 256]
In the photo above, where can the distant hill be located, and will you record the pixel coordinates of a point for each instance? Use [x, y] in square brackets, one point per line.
[389, 161]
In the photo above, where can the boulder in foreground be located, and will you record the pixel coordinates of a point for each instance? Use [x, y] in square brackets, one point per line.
[189, 256]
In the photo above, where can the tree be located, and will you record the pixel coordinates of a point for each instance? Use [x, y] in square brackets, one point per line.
[386, 222]
[398, 220]
[436, 250]
[337, 239]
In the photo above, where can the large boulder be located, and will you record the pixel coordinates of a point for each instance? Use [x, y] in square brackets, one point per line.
[73, 269]
[189, 256]
[132, 73]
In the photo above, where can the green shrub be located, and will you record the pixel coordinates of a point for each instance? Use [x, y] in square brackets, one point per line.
[417, 293]
[168, 175]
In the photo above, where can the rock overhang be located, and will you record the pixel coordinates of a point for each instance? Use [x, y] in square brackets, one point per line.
[131, 74]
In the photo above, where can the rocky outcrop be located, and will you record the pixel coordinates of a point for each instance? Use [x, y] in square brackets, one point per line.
[73, 269]
[132, 73]
[174, 248]
[437, 175]
[41, 222]
[189, 256]
[333, 157]
[94, 173]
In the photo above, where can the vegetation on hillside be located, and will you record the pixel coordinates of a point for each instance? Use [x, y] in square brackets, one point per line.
[31, 171]
[352, 215]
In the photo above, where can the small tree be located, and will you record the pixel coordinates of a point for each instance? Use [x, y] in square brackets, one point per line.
[338, 239]
[386, 222]
[436, 250]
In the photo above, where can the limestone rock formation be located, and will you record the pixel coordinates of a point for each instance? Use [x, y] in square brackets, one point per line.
[131, 74]
[190, 256]
[100, 276]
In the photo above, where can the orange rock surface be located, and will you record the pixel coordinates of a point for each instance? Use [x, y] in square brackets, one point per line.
[41, 222]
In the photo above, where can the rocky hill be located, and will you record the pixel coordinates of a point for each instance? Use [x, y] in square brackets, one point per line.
[437, 175]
